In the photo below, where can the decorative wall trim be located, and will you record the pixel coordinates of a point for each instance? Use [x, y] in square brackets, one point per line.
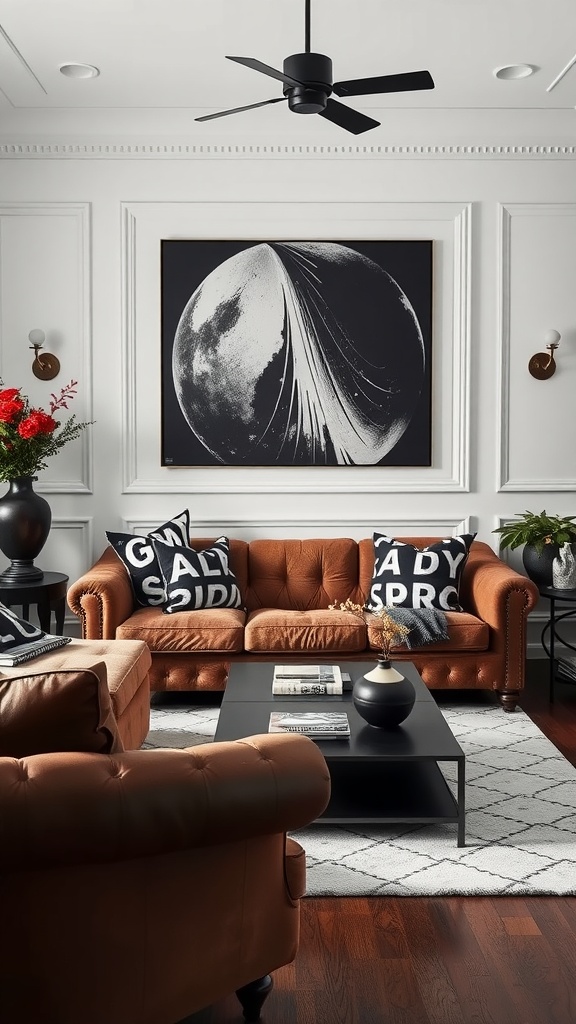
[363, 525]
[81, 524]
[84, 527]
[461, 349]
[82, 213]
[128, 348]
[505, 214]
[238, 479]
[199, 151]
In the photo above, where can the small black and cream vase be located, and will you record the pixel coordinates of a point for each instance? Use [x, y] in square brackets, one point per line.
[383, 697]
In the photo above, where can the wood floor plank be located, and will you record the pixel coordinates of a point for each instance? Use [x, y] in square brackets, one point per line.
[482, 1001]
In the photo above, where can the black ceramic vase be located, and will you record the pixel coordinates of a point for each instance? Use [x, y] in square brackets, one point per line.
[25, 519]
[538, 564]
[383, 697]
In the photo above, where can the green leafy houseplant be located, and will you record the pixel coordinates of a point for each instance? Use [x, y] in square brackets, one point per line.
[537, 530]
[29, 436]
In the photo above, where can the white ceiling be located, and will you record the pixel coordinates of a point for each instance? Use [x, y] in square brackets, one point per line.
[170, 54]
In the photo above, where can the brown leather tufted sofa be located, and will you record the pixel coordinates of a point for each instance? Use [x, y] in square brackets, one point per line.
[140, 886]
[287, 586]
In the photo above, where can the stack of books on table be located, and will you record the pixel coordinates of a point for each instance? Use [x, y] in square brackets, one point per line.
[329, 725]
[309, 680]
[567, 668]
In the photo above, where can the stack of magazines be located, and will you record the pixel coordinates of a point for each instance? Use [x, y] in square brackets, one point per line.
[309, 680]
[567, 668]
[329, 725]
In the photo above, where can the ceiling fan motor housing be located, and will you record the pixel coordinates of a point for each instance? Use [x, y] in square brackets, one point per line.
[314, 70]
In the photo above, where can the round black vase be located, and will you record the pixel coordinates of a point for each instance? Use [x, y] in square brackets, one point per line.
[25, 520]
[383, 704]
[538, 564]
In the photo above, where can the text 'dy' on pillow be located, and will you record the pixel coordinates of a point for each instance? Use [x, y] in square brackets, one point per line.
[411, 577]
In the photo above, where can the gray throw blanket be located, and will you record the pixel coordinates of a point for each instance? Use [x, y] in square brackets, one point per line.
[426, 625]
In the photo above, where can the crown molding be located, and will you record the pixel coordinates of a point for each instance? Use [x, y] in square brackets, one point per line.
[199, 151]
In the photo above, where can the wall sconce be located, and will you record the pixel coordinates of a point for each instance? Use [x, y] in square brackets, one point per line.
[543, 366]
[45, 366]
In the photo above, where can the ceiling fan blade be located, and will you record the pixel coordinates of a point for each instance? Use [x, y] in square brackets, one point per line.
[411, 80]
[236, 110]
[257, 65]
[352, 120]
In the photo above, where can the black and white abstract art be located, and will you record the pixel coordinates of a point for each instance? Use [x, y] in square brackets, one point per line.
[296, 353]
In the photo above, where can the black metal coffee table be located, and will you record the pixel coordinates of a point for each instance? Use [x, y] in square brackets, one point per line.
[378, 777]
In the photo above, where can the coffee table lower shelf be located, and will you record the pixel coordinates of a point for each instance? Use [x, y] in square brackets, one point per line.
[402, 792]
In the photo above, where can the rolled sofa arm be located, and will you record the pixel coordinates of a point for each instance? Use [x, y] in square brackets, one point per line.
[495, 592]
[58, 809]
[102, 598]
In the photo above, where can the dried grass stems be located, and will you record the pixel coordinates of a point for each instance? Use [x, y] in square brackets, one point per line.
[390, 632]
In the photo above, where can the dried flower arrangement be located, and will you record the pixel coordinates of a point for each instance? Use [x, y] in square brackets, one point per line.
[391, 633]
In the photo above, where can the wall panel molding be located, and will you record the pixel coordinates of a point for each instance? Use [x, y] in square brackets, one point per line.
[42, 150]
[505, 480]
[362, 526]
[452, 476]
[81, 213]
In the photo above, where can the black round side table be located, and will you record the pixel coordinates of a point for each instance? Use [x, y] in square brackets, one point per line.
[554, 595]
[48, 594]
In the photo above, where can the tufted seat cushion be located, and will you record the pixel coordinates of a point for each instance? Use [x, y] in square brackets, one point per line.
[466, 631]
[268, 629]
[217, 630]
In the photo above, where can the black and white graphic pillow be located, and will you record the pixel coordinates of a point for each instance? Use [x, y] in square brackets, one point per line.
[198, 579]
[139, 557]
[411, 577]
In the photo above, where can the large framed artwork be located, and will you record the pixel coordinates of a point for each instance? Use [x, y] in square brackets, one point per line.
[289, 353]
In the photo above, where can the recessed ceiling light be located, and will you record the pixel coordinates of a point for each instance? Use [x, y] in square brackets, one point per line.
[75, 70]
[510, 72]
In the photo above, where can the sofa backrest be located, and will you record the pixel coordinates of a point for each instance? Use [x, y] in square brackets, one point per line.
[301, 574]
[310, 573]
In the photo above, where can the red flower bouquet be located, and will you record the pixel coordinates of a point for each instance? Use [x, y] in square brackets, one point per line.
[29, 436]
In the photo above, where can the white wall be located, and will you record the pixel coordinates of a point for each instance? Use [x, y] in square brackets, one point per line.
[80, 227]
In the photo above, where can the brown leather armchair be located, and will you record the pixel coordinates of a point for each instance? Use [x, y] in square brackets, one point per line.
[140, 887]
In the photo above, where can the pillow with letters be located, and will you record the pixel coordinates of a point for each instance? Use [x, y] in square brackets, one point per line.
[411, 577]
[198, 579]
[139, 557]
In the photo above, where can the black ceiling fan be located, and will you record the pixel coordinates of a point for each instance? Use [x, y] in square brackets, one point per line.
[307, 79]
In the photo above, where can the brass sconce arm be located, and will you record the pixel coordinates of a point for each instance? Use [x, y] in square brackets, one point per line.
[541, 365]
[45, 365]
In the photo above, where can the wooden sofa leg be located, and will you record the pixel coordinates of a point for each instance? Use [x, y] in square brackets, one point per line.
[508, 699]
[252, 997]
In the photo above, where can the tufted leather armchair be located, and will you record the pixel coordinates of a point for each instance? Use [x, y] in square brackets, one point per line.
[142, 886]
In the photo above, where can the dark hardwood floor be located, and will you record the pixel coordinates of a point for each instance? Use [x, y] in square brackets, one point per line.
[456, 960]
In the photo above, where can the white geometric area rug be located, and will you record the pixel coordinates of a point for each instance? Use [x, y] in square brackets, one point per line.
[520, 817]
